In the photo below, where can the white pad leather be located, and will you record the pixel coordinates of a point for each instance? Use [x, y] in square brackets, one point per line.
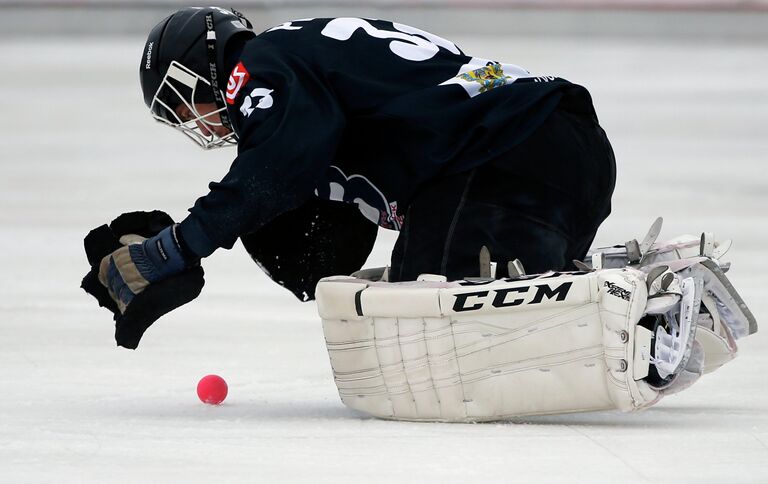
[456, 351]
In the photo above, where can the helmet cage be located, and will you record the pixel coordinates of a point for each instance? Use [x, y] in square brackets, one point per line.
[168, 97]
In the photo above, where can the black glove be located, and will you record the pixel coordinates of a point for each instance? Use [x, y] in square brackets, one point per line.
[157, 298]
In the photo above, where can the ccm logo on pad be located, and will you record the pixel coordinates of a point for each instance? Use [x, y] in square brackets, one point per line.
[237, 79]
[504, 298]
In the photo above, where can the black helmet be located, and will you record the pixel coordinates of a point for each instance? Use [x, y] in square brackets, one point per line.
[176, 67]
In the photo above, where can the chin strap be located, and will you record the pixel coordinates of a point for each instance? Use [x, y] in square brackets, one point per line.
[210, 42]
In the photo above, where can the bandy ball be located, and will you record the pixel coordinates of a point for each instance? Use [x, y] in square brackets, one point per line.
[212, 389]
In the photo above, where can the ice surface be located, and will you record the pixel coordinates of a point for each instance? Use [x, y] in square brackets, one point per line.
[688, 123]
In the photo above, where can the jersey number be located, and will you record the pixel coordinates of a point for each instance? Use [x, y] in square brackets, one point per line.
[265, 101]
[419, 47]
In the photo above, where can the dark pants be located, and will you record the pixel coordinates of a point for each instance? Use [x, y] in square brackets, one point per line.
[542, 202]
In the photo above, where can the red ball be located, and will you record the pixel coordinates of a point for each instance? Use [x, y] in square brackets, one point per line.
[212, 389]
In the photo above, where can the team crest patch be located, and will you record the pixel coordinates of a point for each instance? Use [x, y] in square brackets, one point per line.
[237, 79]
[479, 76]
[489, 77]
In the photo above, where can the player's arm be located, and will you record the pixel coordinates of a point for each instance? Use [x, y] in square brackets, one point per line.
[290, 127]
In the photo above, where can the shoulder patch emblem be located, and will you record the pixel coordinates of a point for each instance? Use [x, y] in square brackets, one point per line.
[479, 76]
[237, 79]
[264, 97]
[489, 77]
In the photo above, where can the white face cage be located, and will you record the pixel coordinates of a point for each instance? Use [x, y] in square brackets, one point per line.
[191, 127]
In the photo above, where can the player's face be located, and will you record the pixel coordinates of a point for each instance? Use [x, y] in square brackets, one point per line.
[204, 109]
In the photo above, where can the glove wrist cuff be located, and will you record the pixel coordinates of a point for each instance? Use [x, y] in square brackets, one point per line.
[190, 258]
[160, 256]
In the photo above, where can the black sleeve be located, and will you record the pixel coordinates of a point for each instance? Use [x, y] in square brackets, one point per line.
[289, 133]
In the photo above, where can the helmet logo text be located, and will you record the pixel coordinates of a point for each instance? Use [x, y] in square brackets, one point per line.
[148, 65]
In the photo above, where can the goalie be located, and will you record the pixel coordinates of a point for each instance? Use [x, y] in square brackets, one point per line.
[346, 124]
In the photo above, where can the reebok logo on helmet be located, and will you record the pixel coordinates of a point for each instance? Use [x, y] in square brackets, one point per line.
[148, 65]
[237, 79]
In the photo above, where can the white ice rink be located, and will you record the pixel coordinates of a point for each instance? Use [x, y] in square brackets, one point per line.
[688, 120]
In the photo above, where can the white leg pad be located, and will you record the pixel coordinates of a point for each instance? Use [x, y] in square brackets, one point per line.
[453, 351]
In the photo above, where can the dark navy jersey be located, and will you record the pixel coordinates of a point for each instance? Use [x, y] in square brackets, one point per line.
[362, 111]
